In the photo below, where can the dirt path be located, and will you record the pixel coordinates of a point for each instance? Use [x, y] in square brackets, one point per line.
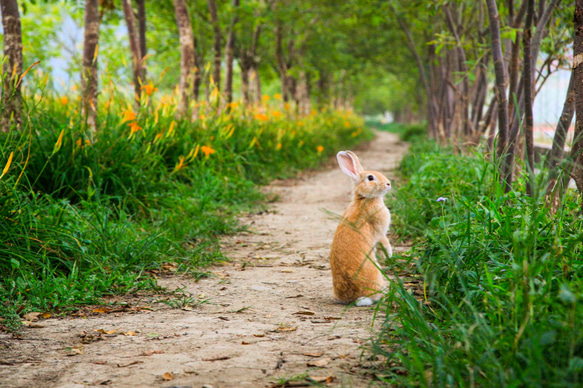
[269, 314]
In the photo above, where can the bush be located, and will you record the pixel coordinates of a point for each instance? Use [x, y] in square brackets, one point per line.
[89, 214]
[501, 276]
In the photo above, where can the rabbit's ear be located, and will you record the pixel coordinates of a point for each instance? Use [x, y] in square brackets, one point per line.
[349, 164]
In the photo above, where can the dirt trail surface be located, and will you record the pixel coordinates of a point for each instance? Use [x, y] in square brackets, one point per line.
[269, 313]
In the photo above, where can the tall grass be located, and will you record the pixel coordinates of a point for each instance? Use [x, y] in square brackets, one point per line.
[84, 214]
[499, 301]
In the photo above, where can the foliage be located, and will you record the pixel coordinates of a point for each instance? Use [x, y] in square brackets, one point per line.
[86, 214]
[502, 284]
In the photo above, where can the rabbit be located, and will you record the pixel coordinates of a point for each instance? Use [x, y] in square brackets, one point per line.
[365, 223]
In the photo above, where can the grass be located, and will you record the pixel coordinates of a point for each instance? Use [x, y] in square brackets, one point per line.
[84, 215]
[500, 303]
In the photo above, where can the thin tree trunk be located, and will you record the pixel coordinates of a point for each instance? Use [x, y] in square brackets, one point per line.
[577, 150]
[563, 125]
[463, 67]
[528, 97]
[89, 78]
[187, 57]
[421, 67]
[245, 87]
[141, 5]
[134, 47]
[500, 86]
[229, 55]
[12, 69]
[216, 45]
[559, 140]
[281, 63]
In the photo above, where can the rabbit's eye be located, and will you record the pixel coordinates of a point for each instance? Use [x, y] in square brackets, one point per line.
[370, 177]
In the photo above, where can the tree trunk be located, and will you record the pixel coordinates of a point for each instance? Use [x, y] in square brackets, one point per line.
[216, 45]
[464, 91]
[89, 78]
[229, 54]
[281, 63]
[141, 5]
[528, 97]
[563, 125]
[135, 48]
[11, 97]
[500, 86]
[421, 67]
[577, 150]
[559, 140]
[187, 57]
[245, 87]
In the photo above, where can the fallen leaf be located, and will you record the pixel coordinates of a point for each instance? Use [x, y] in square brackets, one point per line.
[320, 363]
[31, 316]
[216, 358]
[45, 315]
[259, 335]
[168, 376]
[321, 379]
[286, 271]
[150, 352]
[283, 328]
[129, 333]
[314, 354]
[304, 312]
[36, 326]
[129, 364]
[102, 310]
[104, 331]
[74, 352]
[245, 343]
[295, 296]
[169, 266]
[331, 318]
[100, 362]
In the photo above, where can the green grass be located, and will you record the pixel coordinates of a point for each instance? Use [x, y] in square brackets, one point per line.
[503, 280]
[84, 215]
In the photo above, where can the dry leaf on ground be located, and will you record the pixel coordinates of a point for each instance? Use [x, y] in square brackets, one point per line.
[31, 316]
[320, 362]
[216, 358]
[168, 376]
[105, 331]
[314, 354]
[129, 364]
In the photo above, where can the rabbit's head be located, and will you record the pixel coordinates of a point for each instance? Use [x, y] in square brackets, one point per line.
[367, 184]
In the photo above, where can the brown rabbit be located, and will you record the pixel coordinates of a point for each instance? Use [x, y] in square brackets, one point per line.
[355, 273]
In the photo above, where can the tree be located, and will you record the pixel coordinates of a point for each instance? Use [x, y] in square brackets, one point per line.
[502, 100]
[141, 5]
[134, 48]
[188, 70]
[528, 94]
[217, 44]
[12, 69]
[230, 54]
[89, 79]
[577, 150]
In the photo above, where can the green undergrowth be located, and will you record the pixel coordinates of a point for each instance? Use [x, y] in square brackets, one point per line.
[84, 215]
[501, 299]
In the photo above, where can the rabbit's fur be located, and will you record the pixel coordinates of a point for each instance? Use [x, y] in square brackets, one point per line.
[364, 224]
